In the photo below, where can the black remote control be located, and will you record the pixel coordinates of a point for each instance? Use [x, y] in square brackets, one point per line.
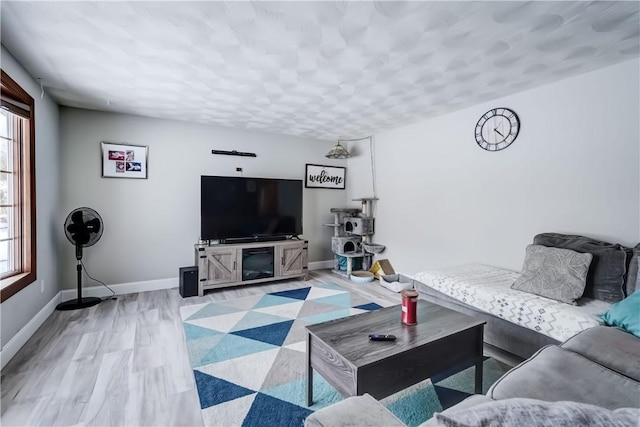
[382, 337]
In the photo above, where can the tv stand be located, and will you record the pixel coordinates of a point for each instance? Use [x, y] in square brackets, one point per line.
[225, 265]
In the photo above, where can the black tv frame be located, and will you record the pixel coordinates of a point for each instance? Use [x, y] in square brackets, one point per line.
[257, 237]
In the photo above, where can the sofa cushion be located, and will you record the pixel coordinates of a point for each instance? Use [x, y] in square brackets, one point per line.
[354, 411]
[554, 374]
[559, 274]
[533, 413]
[625, 314]
[633, 278]
[608, 269]
[596, 344]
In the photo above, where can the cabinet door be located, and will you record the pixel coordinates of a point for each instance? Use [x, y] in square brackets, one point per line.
[221, 266]
[291, 260]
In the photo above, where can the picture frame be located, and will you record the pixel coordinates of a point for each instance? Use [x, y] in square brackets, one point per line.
[120, 160]
[322, 176]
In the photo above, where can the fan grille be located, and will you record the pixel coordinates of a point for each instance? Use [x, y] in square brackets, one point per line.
[83, 226]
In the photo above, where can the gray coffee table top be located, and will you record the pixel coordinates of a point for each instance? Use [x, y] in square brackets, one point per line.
[341, 352]
[349, 336]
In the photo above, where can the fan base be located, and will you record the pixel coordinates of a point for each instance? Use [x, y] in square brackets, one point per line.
[74, 304]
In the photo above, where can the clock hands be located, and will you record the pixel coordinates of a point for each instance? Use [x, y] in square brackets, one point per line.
[499, 125]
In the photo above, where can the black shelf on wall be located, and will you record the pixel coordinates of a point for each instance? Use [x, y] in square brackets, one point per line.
[233, 153]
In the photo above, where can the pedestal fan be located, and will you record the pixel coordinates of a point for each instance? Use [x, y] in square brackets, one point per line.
[83, 228]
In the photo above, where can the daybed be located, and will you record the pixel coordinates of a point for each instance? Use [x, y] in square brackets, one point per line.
[520, 322]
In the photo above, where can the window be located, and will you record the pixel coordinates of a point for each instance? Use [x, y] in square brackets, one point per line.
[17, 189]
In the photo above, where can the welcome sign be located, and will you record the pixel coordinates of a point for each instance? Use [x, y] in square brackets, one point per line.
[319, 176]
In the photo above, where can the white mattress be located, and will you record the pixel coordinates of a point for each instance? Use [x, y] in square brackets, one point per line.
[489, 289]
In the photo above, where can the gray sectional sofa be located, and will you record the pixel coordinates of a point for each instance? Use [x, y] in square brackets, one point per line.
[593, 377]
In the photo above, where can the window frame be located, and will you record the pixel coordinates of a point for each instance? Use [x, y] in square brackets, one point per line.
[15, 283]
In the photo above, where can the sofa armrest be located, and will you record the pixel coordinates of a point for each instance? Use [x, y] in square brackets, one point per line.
[353, 411]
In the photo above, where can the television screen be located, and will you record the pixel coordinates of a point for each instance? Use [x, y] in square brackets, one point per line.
[236, 208]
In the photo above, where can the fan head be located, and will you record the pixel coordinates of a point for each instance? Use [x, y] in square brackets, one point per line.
[83, 227]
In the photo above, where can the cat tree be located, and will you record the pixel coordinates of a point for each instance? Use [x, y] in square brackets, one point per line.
[352, 231]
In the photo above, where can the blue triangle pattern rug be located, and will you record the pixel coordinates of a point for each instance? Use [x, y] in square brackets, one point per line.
[249, 358]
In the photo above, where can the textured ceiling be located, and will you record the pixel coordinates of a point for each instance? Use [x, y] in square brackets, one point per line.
[319, 69]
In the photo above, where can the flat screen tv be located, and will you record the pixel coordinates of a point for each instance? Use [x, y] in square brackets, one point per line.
[238, 208]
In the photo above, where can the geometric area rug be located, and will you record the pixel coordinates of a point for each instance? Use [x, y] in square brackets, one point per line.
[248, 357]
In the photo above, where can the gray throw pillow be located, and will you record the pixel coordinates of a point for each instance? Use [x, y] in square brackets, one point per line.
[520, 412]
[608, 268]
[559, 274]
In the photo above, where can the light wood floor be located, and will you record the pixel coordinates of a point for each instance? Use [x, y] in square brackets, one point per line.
[123, 362]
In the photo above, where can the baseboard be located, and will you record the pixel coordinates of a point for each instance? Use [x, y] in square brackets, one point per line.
[319, 265]
[27, 331]
[121, 288]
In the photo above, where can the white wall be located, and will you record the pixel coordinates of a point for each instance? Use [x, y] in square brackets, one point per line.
[574, 168]
[151, 225]
[22, 307]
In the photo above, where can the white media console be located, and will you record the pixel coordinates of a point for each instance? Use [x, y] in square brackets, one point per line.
[224, 265]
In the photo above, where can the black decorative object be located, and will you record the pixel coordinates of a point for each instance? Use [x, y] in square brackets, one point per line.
[83, 227]
[497, 129]
[233, 153]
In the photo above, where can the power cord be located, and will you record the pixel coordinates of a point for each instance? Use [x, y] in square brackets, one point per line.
[113, 294]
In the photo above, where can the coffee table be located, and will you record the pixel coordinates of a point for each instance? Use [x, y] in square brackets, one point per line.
[340, 350]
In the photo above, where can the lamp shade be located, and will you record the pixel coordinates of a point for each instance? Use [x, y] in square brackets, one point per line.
[338, 152]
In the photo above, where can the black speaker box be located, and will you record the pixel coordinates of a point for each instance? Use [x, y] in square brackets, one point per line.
[188, 282]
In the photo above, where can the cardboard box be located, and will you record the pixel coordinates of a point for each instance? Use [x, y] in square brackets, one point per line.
[396, 282]
[381, 267]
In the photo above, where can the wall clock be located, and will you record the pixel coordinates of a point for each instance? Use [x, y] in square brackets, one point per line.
[497, 129]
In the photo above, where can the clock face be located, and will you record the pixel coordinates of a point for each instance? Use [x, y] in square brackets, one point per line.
[497, 129]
